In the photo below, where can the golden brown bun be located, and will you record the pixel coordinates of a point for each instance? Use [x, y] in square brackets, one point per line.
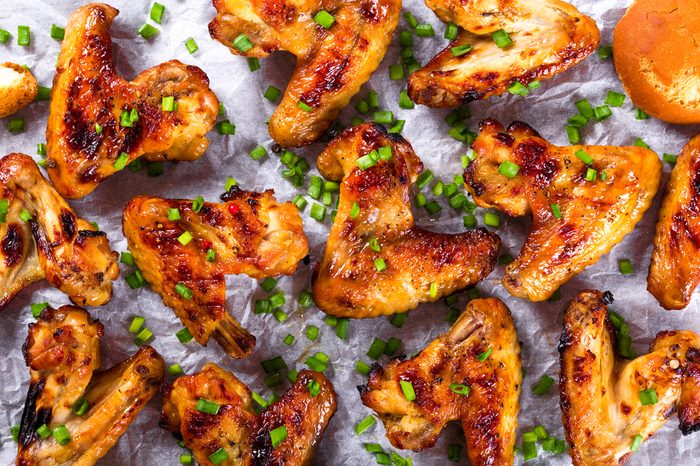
[657, 55]
[18, 88]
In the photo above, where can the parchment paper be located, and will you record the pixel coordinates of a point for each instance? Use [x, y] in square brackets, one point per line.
[241, 92]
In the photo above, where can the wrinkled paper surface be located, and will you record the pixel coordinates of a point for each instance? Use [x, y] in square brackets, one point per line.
[241, 92]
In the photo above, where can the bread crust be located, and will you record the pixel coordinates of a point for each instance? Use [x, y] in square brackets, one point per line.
[658, 59]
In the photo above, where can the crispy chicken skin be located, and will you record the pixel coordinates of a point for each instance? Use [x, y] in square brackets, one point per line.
[18, 88]
[55, 244]
[488, 413]
[675, 263]
[600, 401]
[332, 64]
[87, 91]
[250, 233]
[62, 352]
[244, 435]
[347, 282]
[595, 216]
[549, 37]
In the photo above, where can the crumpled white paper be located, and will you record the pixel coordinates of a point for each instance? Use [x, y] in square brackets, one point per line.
[242, 93]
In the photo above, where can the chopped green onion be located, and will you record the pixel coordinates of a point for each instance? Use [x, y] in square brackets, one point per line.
[57, 32]
[218, 457]
[325, 19]
[14, 431]
[304, 106]
[670, 159]
[529, 437]
[625, 266]
[253, 64]
[384, 117]
[312, 332]
[605, 52]
[98, 128]
[517, 88]
[23, 35]
[175, 369]
[4, 36]
[185, 238]
[44, 431]
[157, 11]
[407, 389]
[147, 31]
[577, 121]
[197, 204]
[183, 291]
[272, 93]
[273, 365]
[374, 245]
[508, 169]
[318, 212]
[135, 280]
[242, 43]
[174, 214]
[355, 210]
[365, 424]
[191, 45]
[186, 459]
[602, 112]
[226, 128]
[640, 114]
[573, 134]
[38, 308]
[314, 388]
[433, 290]
[529, 450]
[25, 216]
[424, 30]
[211, 255]
[15, 125]
[398, 127]
[585, 108]
[556, 210]
[257, 153]
[591, 174]
[484, 356]
[168, 103]
[268, 284]
[306, 299]
[615, 99]
[81, 407]
[584, 157]
[451, 31]
[380, 264]
[143, 336]
[543, 385]
[300, 202]
[289, 340]
[639, 142]
[61, 435]
[501, 39]
[362, 367]
[392, 345]
[433, 207]
[396, 72]
[376, 349]
[460, 50]
[492, 219]
[460, 389]
[121, 161]
[405, 101]
[648, 397]
[136, 324]
[636, 442]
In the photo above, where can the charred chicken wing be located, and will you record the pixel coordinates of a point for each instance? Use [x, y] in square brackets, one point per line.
[609, 406]
[186, 260]
[377, 261]
[98, 122]
[547, 37]
[74, 415]
[18, 88]
[675, 264]
[284, 433]
[332, 63]
[471, 374]
[43, 238]
[584, 200]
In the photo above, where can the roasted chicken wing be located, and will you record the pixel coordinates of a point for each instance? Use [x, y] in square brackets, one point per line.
[609, 406]
[186, 260]
[18, 88]
[42, 237]
[332, 63]
[377, 261]
[284, 433]
[675, 263]
[471, 374]
[74, 415]
[98, 122]
[548, 37]
[584, 200]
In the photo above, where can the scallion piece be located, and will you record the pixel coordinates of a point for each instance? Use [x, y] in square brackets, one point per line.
[81, 407]
[157, 11]
[206, 406]
[639, 142]
[226, 128]
[364, 424]
[670, 158]
[636, 442]
[508, 169]
[451, 31]
[4, 36]
[492, 219]
[529, 450]
[186, 459]
[318, 212]
[485, 355]
[325, 19]
[44, 431]
[257, 153]
[648, 397]
[501, 39]
[625, 266]
[380, 264]
[362, 367]
[197, 204]
[23, 35]
[517, 88]
[191, 46]
[273, 365]
[38, 308]
[376, 349]
[591, 174]
[306, 299]
[605, 52]
[615, 99]
[396, 72]
[584, 157]
[459, 389]
[61, 435]
[185, 238]
[385, 117]
[25, 216]
[242, 43]
[167, 103]
[573, 134]
[602, 112]
[424, 30]
[121, 161]
[304, 106]
[15, 125]
[175, 369]
[407, 389]
[57, 32]
[148, 31]
[218, 457]
[556, 210]
[312, 332]
[136, 324]
[272, 93]
[183, 291]
[543, 385]
[585, 108]
[640, 114]
[143, 336]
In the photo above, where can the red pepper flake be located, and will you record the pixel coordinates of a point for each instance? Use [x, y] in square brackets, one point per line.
[233, 209]
[206, 245]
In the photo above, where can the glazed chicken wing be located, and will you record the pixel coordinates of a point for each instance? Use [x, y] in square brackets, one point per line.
[18, 88]
[584, 200]
[43, 238]
[332, 64]
[471, 374]
[98, 122]
[249, 233]
[548, 37]
[607, 404]
[235, 432]
[675, 264]
[91, 409]
[377, 261]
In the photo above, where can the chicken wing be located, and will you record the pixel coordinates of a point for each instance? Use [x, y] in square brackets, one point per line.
[235, 433]
[471, 373]
[332, 64]
[98, 122]
[18, 88]
[249, 233]
[74, 415]
[584, 200]
[610, 406]
[42, 237]
[675, 263]
[548, 37]
[377, 261]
